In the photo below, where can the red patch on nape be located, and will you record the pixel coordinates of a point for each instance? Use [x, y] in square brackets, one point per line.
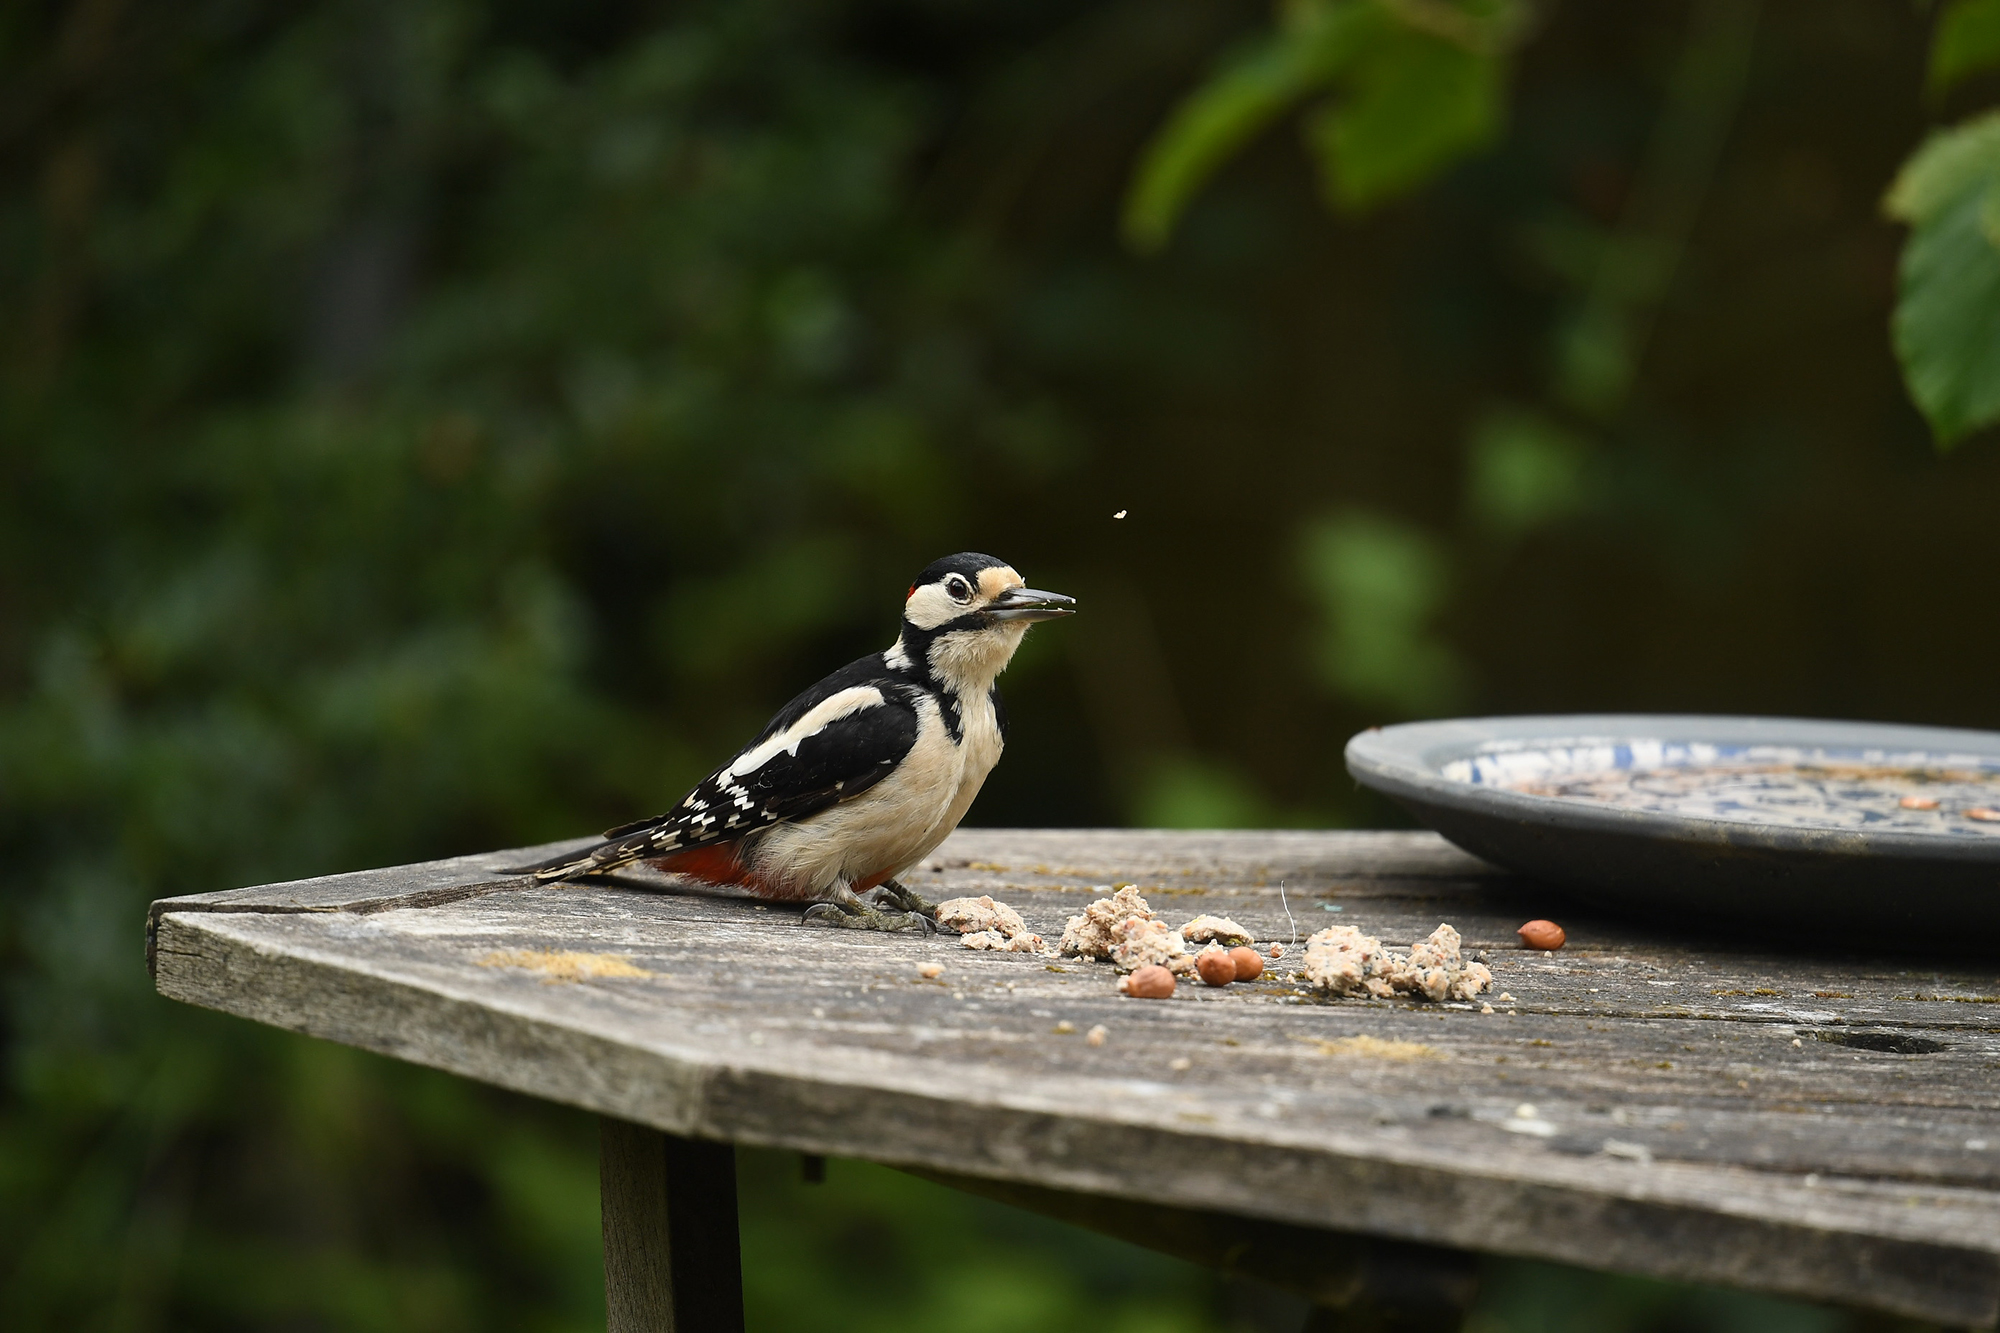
[714, 864]
[911, 593]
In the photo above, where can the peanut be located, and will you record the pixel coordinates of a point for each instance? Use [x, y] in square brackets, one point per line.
[1541, 935]
[1216, 967]
[1919, 803]
[1151, 982]
[1249, 963]
[1984, 814]
[930, 971]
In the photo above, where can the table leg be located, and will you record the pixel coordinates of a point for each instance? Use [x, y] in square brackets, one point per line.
[671, 1260]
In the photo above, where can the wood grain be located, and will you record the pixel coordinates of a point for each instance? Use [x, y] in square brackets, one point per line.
[671, 1257]
[1817, 1126]
[638, 1255]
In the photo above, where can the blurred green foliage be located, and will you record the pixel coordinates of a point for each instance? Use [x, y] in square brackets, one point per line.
[1524, 471]
[376, 361]
[1382, 583]
[1396, 90]
[1967, 43]
[874, 1249]
[1947, 331]
[441, 425]
[1418, 84]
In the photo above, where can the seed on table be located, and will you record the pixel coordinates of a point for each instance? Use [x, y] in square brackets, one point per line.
[1216, 967]
[1096, 1036]
[1277, 951]
[1984, 814]
[1151, 982]
[1919, 803]
[1249, 963]
[930, 971]
[1542, 935]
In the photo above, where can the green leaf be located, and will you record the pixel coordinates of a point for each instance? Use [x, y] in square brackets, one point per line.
[1182, 791]
[1524, 471]
[1944, 166]
[1947, 321]
[1967, 43]
[1239, 101]
[1415, 104]
[1380, 583]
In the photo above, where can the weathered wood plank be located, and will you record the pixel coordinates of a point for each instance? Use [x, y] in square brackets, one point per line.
[632, 1194]
[426, 884]
[1697, 1112]
[704, 1240]
[672, 1262]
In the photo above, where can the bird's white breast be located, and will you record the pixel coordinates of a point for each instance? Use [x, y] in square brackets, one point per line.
[899, 820]
[980, 750]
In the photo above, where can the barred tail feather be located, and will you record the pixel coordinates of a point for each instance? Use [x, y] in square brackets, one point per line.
[604, 857]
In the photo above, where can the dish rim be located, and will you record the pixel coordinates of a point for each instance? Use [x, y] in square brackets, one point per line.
[1406, 762]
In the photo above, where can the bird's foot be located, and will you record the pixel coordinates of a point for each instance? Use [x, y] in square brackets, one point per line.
[908, 900]
[847, 911]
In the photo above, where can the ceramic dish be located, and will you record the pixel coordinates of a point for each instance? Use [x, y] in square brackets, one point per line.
[1784, 823]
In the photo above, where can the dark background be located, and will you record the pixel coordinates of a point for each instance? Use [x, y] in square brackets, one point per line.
[428, 427]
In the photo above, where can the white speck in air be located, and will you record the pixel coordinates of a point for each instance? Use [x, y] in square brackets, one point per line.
[1121, 513]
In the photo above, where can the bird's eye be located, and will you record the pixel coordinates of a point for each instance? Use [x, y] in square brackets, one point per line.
[960, 590]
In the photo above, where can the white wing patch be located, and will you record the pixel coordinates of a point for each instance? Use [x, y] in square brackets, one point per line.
[822, 715]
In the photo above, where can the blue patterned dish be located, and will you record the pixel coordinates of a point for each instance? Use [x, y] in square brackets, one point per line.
[1801, 825]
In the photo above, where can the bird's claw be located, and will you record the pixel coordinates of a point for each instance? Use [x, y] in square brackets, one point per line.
[864, 917]
[896, 895]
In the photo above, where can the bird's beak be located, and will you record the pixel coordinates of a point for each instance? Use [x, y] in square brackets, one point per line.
[1030, 604]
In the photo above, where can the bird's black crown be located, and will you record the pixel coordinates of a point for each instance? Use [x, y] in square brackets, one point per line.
[968, 563]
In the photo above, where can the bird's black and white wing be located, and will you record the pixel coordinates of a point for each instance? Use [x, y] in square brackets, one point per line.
[829, 745]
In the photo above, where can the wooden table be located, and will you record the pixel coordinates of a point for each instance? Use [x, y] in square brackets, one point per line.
[1676, 1105]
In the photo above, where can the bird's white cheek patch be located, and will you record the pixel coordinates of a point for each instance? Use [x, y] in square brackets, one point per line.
[930, 606]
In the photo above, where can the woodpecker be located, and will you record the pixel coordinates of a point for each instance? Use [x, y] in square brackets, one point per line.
[863, 775]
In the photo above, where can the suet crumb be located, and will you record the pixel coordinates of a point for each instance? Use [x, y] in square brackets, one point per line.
[1091, 934]
[1140, 942]
[1206, 929]
[1342, 961]
[985, 924]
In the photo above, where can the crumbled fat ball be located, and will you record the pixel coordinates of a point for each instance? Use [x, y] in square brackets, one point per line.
[1343, 961]
[967, 915]
[1138, 941]
[1206, 929]
[996, 942]
[1091, 934]
[985, 924]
